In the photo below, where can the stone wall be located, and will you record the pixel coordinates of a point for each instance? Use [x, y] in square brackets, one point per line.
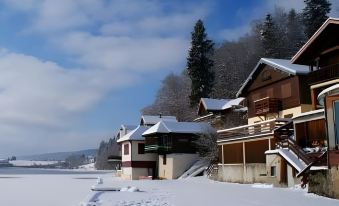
[324, 182]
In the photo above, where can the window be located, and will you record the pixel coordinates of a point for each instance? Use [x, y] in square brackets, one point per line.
[273, 171]
[141, 148]
[164, 159]
[286, 90]
[126, 149]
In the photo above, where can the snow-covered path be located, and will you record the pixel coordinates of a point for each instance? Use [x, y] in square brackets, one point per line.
[201, 191]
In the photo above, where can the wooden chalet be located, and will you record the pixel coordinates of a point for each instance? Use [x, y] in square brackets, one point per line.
[173, 143]
[274, 93]
[293, 113]
[321, 54]
[222, 113]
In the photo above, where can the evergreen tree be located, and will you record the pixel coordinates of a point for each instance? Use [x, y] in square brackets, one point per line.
[314, 15]
[269, 38]
[295, 33]
[199, 64]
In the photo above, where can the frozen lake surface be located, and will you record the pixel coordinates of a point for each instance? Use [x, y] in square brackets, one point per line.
[46, 187]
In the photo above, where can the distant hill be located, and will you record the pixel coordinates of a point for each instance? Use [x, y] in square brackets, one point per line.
[57, 156]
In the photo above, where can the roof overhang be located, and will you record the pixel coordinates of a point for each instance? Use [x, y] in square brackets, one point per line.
[324, 39]
[309, 116]
[279, 64]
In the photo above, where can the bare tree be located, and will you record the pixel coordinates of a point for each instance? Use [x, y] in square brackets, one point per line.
[173, 98]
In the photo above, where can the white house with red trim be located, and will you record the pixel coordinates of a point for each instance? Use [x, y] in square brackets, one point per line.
[136, 164]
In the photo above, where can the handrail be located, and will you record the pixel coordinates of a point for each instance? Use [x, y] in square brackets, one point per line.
[213, 168]
[261, 128]
[290, 144]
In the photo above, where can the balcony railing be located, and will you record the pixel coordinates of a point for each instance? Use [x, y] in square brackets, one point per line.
[324, 74]
[260, 129]
[267, 105]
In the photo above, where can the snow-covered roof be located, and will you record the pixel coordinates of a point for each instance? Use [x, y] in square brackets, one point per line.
[290, 157]
[213, 104]
[152, 119]
[220, 104]
[281, 64]
[328, 91]
[165, 127]
[134, 135]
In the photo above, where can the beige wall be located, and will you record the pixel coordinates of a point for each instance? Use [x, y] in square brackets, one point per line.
[130, 173]
[251, 173]
[176, 165]
[295, 111]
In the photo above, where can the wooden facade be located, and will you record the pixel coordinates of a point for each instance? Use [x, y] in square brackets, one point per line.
[283, 90]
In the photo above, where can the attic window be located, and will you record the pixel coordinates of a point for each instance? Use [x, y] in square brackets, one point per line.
[265, 76]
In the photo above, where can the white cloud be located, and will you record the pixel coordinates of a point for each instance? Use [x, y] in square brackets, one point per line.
[43, 93]
[124, 54]
[112, 43]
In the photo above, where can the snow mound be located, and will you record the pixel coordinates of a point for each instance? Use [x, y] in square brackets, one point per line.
[262, 186]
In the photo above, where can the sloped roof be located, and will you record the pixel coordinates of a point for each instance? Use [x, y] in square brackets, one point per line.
[165, 127]
[134, 135]
[325, 37]
[128, 127]
[233, 102]
[220, 104]
[152, 119]
[213, 104]
[283, 65]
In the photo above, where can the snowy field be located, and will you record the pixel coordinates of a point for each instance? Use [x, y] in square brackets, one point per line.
[200, 191]
[38, 187]
[45, 187]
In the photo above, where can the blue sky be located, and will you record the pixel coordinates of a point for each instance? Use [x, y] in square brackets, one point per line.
[72, 71]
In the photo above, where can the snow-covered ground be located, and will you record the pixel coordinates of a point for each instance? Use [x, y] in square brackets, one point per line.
[200, 191]
[41, 187]
[46, 187]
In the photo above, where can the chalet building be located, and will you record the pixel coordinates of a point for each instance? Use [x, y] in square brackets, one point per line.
[137, 164]
[275, 93]
[319, 128]
[173, 144]
[222, 113]
[292, 129]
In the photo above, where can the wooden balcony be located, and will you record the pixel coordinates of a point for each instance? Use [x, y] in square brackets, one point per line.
[323, 74]
[261, 129]
[267, 105]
